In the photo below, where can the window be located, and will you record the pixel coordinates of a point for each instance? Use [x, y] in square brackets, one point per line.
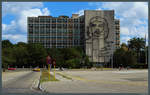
[42, 20]
[59, 25]
[30, 20]
[47, 25]
[59, 20]
[70, 25]
[76, 25]
[53, 20]
[64, 25]
[53, 25]
[64, 20]
[36, 20]
[81, 25]
[70, 20]
[75, 20]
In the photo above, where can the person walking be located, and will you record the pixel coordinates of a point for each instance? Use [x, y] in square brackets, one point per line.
[54, 62]
[49, 62]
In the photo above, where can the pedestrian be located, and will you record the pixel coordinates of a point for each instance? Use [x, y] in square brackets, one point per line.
[54, 62]
[127, 67]
[120, 67]
[49, 61]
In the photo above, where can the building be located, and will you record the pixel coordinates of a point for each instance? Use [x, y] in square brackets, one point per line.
[97, 31]
[117, 26]
[59, 32]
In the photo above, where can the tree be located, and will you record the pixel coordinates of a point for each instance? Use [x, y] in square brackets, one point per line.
[124, 57]
[137, 45]
[7, 57]
[87, 62]
[124, 47]
[21, 56]
[21, 44]
[6, 44]
[36, 55]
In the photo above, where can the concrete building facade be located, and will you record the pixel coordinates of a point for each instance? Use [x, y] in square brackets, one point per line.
[58, 32]
[97, 31]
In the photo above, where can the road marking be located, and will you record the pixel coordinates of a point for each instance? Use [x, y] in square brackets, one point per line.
[106, 82]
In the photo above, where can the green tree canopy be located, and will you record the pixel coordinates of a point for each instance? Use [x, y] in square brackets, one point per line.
[137, 45]
[6, 44]
[36, 55]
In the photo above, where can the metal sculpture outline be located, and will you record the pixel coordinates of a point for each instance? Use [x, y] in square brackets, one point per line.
[102, 24]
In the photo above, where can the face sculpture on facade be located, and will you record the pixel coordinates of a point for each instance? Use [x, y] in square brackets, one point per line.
[98, 26]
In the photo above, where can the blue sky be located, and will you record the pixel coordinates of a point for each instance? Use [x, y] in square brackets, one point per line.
[133, 16]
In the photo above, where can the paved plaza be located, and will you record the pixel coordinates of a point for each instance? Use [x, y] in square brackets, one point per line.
[131, 81]
[78, 81]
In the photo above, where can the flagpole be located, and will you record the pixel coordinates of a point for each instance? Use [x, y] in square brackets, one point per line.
[145, 50]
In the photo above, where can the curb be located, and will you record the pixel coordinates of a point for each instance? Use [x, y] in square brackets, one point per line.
[39, 85]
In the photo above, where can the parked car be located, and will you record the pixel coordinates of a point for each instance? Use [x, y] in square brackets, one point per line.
[36, 69]
[11, 68]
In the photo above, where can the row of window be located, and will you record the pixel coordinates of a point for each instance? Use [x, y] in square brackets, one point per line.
[53, 31]
[56, 41]
[56, 26]
[56, 20]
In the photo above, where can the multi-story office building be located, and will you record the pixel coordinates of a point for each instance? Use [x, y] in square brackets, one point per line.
[59, 32]
[97, 31]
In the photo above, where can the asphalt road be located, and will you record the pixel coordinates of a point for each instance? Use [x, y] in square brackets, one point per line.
[131, 81]
[20, 82]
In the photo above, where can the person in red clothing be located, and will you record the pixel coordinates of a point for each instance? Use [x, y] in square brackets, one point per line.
[49, 61]
[54, 62]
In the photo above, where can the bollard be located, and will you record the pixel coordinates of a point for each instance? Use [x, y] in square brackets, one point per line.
[54, 72]
[49, 70]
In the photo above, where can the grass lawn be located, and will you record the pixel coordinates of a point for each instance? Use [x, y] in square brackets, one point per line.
[46, 77]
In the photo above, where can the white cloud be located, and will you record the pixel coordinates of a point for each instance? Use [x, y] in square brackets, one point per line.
[4, 27]
[10, 28]
[45, 11]
[16, 7]
[22, 21]
[15, 37]
[99, 9]
[125, 39]
[21, 11]
[80, 12]
[128, 9]
[125, 31]
[133, 17]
